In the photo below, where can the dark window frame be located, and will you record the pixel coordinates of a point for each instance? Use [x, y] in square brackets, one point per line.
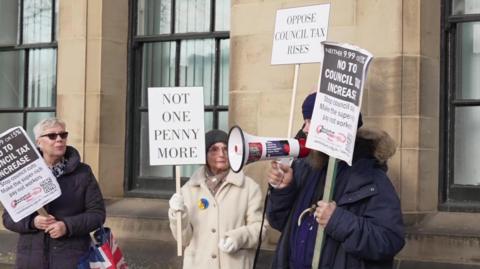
[27, 48]
[452, 197]
[164, 186]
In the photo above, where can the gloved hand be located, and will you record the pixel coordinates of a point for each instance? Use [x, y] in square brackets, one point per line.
[227, 245]
[176, 204]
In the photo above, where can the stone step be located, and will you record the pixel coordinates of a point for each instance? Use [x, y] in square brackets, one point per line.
[445, 239]
[142, 231]
[7, 248]
[139, 253]
[141, 228]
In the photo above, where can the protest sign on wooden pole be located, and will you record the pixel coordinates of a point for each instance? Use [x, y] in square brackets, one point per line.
[26, 182]
[297, 39]
[333, 126]
[176, 132]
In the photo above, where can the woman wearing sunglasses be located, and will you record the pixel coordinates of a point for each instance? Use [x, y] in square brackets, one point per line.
[60, 239]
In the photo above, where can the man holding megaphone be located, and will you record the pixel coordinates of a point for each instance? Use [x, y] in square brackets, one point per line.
[363, 224]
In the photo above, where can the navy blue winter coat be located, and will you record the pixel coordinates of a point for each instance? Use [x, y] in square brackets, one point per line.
[80, 207]
[366, 229]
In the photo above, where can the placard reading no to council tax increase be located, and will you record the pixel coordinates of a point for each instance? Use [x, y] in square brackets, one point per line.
[26, 183]
[333, 126]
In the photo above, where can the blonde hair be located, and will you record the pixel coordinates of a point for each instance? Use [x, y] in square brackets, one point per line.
[45, 124]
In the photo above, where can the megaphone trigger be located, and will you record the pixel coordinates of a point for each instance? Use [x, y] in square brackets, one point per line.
[287, 161]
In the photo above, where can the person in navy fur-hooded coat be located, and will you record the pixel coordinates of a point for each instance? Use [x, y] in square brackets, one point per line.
[363, 225]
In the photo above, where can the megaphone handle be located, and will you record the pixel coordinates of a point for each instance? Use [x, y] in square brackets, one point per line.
[284, 161]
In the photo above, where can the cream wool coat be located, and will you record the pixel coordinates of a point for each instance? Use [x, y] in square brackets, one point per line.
[235, 211]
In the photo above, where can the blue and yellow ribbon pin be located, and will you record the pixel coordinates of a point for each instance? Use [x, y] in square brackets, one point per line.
[203, 203]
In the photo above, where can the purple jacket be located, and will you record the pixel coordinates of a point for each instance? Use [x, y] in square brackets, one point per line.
[80, 207]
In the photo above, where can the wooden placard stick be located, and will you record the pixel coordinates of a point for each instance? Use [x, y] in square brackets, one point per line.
[327, 197]
[179, 213]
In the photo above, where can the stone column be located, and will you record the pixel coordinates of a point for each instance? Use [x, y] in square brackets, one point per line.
[92, 84]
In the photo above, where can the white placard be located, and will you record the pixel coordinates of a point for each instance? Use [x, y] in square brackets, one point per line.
[299, 33]
[26, 183]
[333, 126]
[176, 125]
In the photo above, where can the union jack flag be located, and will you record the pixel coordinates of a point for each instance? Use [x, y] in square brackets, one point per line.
[105, 254]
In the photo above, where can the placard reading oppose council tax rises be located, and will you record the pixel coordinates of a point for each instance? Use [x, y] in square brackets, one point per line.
[26, 183]
[298, 34]
[333, 126]
[176, 125]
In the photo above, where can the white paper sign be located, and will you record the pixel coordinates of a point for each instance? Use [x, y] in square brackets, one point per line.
[176, 125]
[333, 126]
[299, 33]
[26, 183]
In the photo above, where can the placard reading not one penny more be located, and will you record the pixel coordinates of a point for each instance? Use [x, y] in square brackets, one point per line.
[299, 33]
[176, 125]
[26, 183]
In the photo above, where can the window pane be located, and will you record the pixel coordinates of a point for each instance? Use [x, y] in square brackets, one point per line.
[223, 121]
[222, 15]
[188, 170]
[467, 148]
[37, 21]
[461, 7]
[158, 67]
[224, 84]
[42, 79]
[11, 79]
[34, 118]
[208, 116]
[8, 22]
[468, 61]
[154, 17]
[9, 120]
[57, 7]
[192, 16]
[144, 163]
[197, 63]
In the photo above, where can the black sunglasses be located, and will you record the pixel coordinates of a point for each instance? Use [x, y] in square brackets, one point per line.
[53, 136]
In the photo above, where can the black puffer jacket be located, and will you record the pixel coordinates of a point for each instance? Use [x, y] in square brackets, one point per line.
[80, 207]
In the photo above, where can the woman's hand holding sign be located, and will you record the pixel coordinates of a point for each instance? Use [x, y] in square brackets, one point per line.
[57, 229]
[42, 222]
[51, 226]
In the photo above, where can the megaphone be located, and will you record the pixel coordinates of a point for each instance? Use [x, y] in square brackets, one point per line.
[244, 148]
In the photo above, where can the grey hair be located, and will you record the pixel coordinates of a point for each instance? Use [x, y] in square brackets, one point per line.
[45, 124]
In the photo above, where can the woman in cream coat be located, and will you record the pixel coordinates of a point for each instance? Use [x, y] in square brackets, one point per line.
[221, 212]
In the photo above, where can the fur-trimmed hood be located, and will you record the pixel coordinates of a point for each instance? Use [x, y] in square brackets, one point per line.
[374, 142]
